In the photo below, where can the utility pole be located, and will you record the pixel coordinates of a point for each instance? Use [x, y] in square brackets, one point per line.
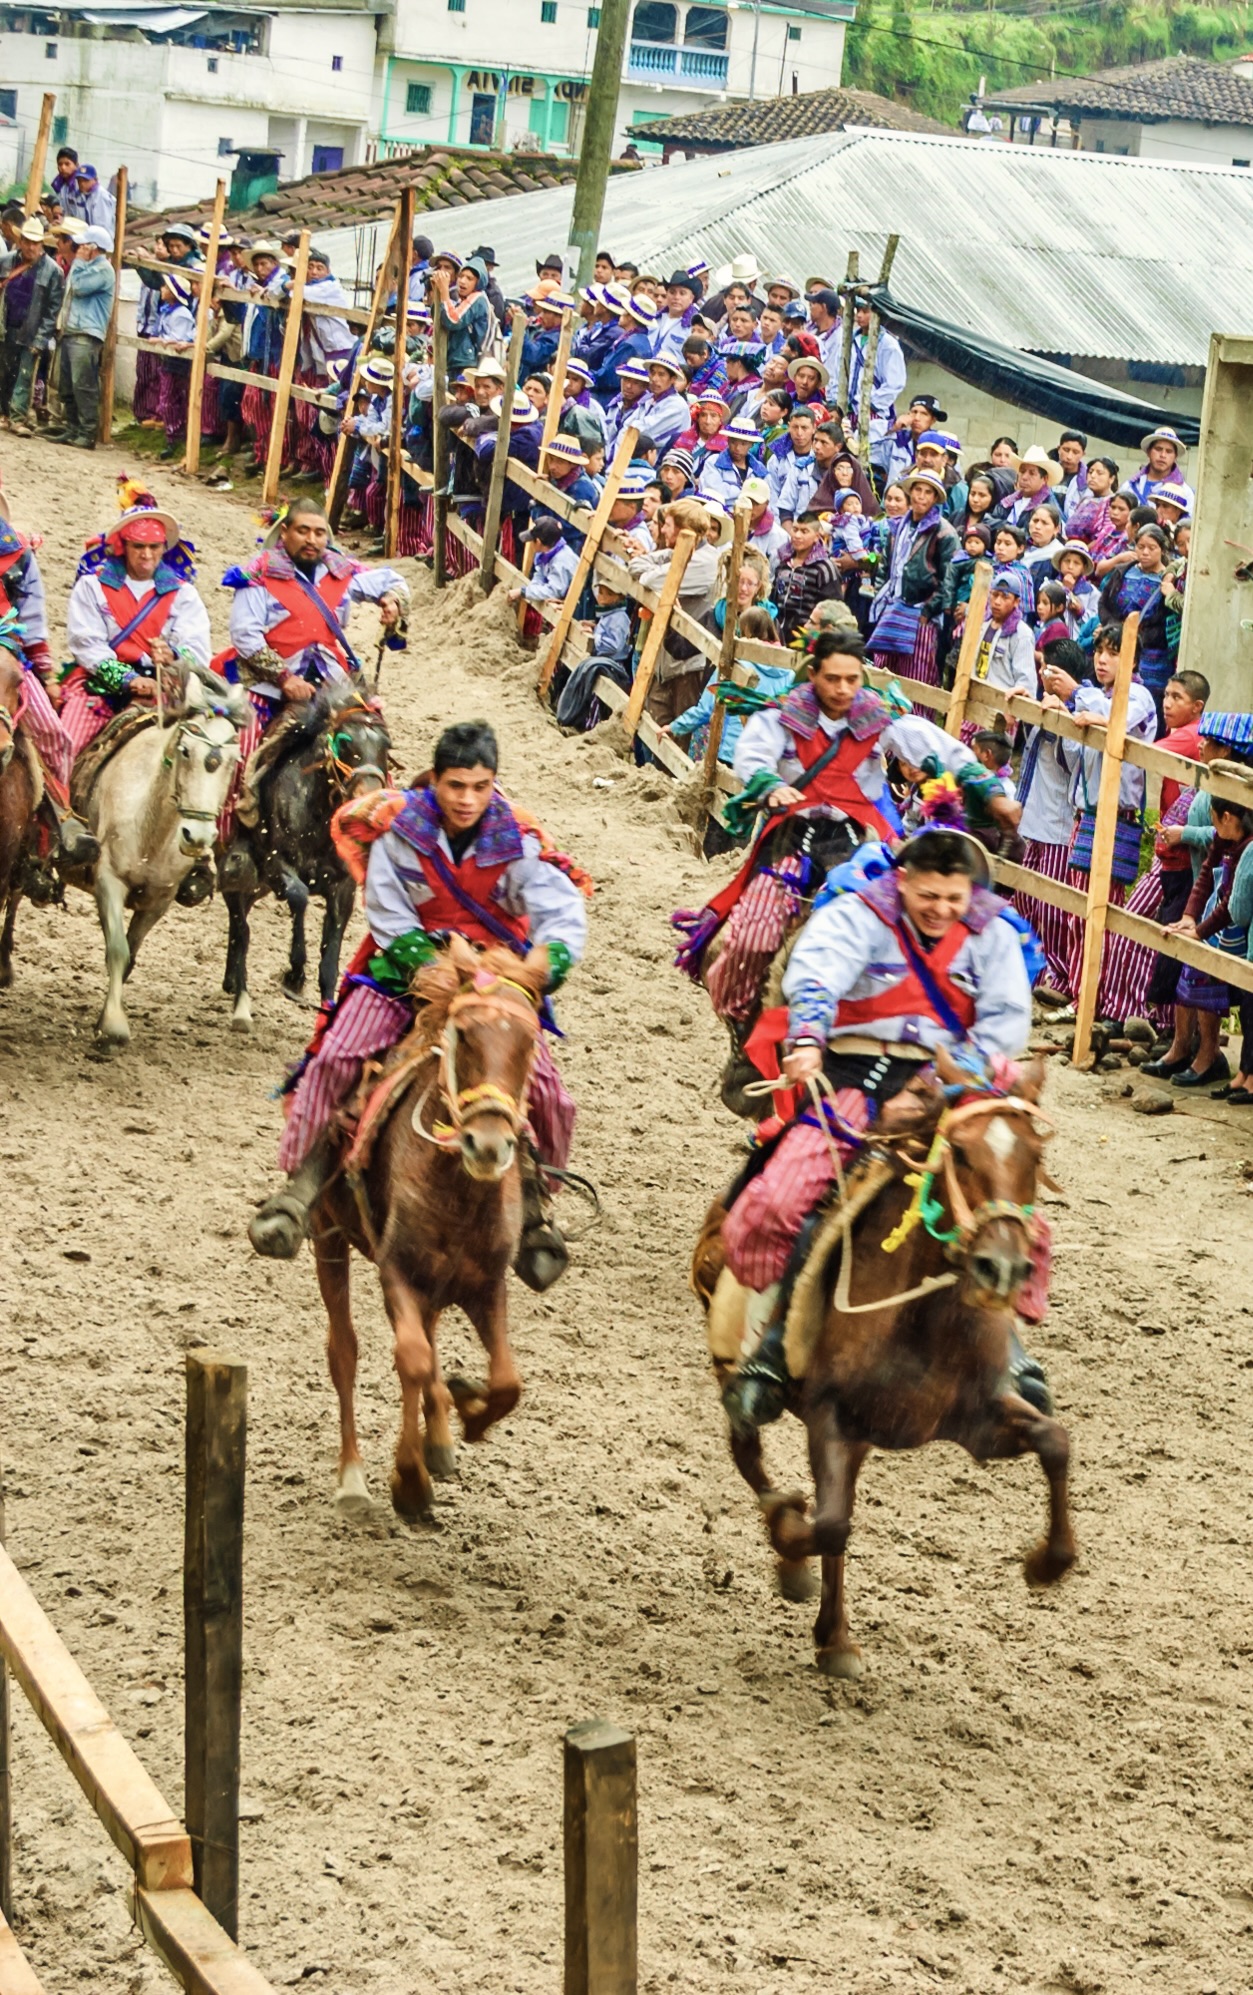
[752, 70]
[598, 128]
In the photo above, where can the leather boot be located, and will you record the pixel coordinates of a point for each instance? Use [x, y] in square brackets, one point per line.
[542, 1256]
[758, 1393]
[77, 847]
[1026, 1377]
[280, 1223]
[197, 886]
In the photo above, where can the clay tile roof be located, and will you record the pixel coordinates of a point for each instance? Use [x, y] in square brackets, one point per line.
[355, 196]
[775, 118]
[1179, 86]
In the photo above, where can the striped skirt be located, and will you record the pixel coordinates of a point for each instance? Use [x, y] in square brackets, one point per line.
[146, 402]
[1128, 965]
[1104, 995]
[1055, 928]
[752, 939]
[923, 662]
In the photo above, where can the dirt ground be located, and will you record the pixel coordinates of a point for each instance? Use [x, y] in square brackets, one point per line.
[1025, 1792]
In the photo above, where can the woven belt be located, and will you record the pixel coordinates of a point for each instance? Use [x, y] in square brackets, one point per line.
[877, 1049]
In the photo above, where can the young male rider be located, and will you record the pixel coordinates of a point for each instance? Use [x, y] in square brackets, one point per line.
[454, 859]
[918, 958]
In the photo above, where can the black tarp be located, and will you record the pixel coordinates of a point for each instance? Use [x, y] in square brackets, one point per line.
[1042, 386]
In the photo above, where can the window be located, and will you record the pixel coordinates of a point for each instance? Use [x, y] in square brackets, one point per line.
[337, 62]
[212, 65]
[705, 27]
[593, 17]
[1235, 162]
[8, 106]
[656, 21]
[793, 34]
[456, 6]
[225, 148]
[60, 126]
[548, 11]
[417, 99]
[50, 50]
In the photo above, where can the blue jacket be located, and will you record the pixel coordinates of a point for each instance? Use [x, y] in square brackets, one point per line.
[89, 297]
[628, 346]
[539, 350]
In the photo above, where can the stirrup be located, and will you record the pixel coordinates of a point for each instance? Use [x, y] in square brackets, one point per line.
[758, 1393]
[77, 846]
[278, 1226]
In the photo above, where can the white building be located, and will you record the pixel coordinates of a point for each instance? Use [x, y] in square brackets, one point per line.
[174, 92]
[467, 72]
[1181, 111]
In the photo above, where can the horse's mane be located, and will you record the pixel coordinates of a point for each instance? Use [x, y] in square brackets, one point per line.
[334, 702]
[438, 983]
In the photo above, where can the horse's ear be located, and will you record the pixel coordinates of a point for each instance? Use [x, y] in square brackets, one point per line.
[1031, 1081]
[461, 955]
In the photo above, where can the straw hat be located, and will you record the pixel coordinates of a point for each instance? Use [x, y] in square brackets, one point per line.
[262, 247]
[1164, 436]
[642, 309]
[931, 478]
[1041, 461]
[521, 411]
[1076, 547]
[566, 448]
[804, 360]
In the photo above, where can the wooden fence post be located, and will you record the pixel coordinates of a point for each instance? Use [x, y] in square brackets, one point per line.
[496, 484]
[602, 1860]
[552, 416]
[213, 1625]
[726, 656]
[108, 353]
[6, 1790]
[439, 443]
[39, 158]
[847, 290]
[867, 372]
[1104, 831]
[624, 451]
[337, 488]
[204, 315]
[972, 632]
[684, 547]
[286, 369]
[400, 360]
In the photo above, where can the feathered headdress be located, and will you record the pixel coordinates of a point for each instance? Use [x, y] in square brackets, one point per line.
[942, 804]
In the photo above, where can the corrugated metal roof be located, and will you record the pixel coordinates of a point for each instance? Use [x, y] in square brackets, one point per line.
[1050, 251]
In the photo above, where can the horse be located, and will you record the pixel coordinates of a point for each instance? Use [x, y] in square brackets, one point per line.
[154, 807]
[935, 1249]
[338, 748]
[438, 1208]
[21, 787]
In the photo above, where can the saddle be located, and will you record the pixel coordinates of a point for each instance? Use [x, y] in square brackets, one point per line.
[91, 760]
[365, 1114]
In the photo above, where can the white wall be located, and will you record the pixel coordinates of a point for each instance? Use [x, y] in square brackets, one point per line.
[1181, 143]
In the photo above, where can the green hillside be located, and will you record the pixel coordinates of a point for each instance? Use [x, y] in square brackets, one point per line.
[934, 59]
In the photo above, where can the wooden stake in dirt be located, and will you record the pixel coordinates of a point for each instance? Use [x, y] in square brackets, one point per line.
[213, 1625]
[496, 484]
[972, 632]
[439, 443]
[726, 657]
[847, 290]
[286, 369]
[601, 1859]
[684, 547]
[867, 372]
[337, 489]
[1112, 741]
[395, 470]
[204, 316]
[624, 451]
[552, 416]
[39, 158]
[108, 354]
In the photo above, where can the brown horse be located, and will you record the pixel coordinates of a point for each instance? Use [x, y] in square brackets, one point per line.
[910, 1343]
[438, 1208]
[20, 791]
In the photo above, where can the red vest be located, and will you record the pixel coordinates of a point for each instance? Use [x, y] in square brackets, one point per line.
[908, 999]
[837, 784]
[123, 606]
[444, 910]
[302, 626]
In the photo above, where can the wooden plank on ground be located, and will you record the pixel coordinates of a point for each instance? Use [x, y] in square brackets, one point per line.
[199, 354]
[108, 352]
[137, 1817]
[200, 1956]
[17, 1976]
[213, 1624]
[601, 1860]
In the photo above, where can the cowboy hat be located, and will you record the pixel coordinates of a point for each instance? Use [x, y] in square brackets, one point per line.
[69, 225]
[487, 370]
[822, 372]
[261, 248]
[1041, 461]
[744, 270]
[931, 478]
[520, 410]
[770, 284]
[1076, 547]
[32, 230]
[1163, 436]
[565, 447]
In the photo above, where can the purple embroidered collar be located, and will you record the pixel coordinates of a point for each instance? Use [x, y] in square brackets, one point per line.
[884, 896]
[276, 561]
[498, 838]
[868, 715]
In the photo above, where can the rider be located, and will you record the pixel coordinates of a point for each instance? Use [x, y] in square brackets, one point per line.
[289, 634]
[920, 956]
[817, 760]
[24, 607]
[450, 857]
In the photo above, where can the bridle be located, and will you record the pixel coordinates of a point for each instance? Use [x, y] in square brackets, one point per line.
[343, 776]
[191, 724]
[927, 1210]
[486, 998]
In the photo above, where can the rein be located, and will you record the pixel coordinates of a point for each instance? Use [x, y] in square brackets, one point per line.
[341, 774]
[485, 1097]
[190, 725]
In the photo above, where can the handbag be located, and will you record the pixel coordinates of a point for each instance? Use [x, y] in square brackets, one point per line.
[897, 629]
[1126, 866]
[1232, 941]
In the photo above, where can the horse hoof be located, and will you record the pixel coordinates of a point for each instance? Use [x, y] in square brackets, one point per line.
[115, 1040]
[1044, 1566]
[241, 1017]
[843, 1663]
[441, 1461]
[352, 1497]
[796, 1579]
[411, 1498]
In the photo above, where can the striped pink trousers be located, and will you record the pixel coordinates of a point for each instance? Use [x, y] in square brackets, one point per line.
[1128, 965]
[83, 715]
[753, 937]
[1055, 928]
[1105, 993]
[368, 1022]
[263, 711]
[40, 721]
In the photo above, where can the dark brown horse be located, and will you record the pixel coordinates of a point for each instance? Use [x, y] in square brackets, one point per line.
[19, 796]
[884, 1366]
[436, 1204]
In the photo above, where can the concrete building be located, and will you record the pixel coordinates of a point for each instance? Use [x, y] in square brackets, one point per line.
[1180, 111]
[515, 72]
[175, 92]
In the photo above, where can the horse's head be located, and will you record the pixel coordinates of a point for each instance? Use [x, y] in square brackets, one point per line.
[355, 744]
[202, 752]
[993, 1146]
[482, 1012]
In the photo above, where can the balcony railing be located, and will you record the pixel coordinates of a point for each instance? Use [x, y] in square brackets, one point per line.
[688, 68]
